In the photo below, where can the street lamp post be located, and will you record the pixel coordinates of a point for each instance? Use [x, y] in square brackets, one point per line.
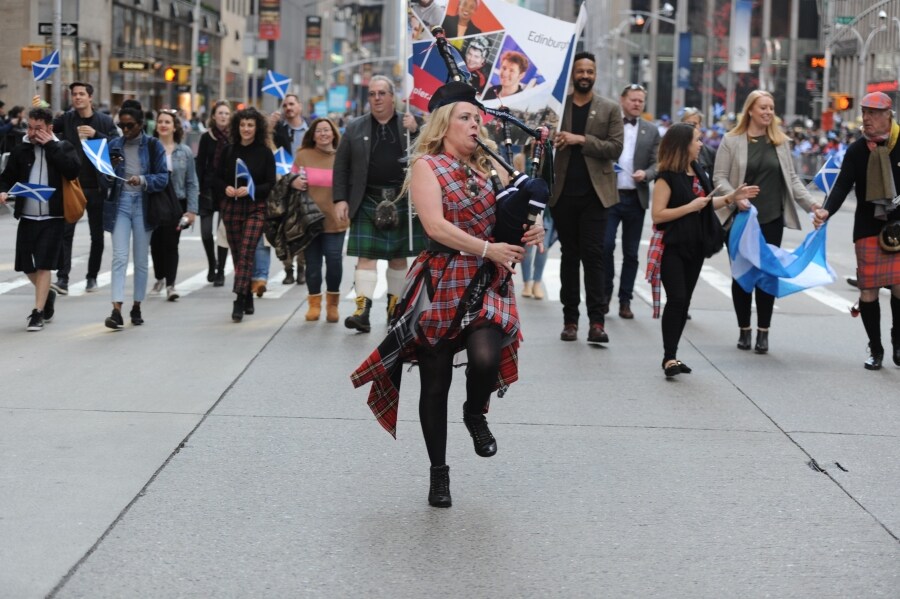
[864, 54]
[663, 14]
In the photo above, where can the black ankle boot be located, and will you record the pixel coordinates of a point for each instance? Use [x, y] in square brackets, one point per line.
[485, 444]
[876, 356]
[895, 342]
[219, 280]
[359, 320]
[762, 342]
[439, 491]
[744, 339]
[237, 312]
[248, 304]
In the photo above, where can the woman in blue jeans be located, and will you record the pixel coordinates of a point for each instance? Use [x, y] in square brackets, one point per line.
[314, 163]
[140, 162]
[533, 264]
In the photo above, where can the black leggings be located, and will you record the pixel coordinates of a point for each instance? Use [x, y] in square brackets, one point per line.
[679, 272]
[206, 235]
[773, 232]
[483, 347]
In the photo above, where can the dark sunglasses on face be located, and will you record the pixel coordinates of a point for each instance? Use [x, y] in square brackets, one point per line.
[127, 126]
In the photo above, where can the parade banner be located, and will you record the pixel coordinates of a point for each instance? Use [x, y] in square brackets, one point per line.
[739, 55]
[518, 59]
[269, 19]
[313, 38]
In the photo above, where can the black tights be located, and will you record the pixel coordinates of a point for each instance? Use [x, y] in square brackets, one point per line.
[773, 232]
[679, 272]
[436, 372]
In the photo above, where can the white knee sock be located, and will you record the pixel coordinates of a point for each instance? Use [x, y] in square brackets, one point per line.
[364, 281]
[396, 279]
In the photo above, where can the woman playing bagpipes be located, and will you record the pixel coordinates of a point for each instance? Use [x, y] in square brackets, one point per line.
[458, 294]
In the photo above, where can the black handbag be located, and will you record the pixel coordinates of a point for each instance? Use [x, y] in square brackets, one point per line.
[163, 208]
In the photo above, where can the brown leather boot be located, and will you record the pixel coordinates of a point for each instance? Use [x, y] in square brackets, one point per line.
[332, 299]
[315, 306]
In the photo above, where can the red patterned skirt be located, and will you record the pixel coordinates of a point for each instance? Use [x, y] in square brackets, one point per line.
[445, 294]
[875, 268]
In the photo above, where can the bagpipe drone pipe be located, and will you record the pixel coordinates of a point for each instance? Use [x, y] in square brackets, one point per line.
[524, 197]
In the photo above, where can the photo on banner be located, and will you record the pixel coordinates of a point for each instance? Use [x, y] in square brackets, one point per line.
[538, 49]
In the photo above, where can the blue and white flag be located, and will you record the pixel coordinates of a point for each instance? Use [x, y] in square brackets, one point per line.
[779, 272]
[276, 84]
[241, 171]
[828, 174]
[41, 193]
[44, 67]
[617, 168]
[97, 152]
[283, 162]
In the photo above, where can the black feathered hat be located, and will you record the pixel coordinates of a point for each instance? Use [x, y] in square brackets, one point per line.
[455, 91]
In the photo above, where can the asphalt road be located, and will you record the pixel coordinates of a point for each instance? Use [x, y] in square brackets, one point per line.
[194, 457]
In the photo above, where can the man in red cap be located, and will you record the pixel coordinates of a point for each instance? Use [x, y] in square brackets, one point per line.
[872, 165]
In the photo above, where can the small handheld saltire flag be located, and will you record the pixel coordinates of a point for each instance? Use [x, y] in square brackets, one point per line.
[777, 271]
[41, 193]
[276, 84]
[828, 174]
[44, 67]
[241, 171]
[98, 153]
[283, 162]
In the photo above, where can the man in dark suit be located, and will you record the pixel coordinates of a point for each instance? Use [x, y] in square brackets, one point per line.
[637, 168]
[369, 168]
[588, 144]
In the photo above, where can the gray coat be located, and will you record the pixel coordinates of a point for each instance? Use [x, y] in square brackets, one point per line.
[645, 149]
[731, 168]
[351, 163]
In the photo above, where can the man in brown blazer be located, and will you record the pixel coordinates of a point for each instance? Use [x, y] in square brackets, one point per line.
[587, 146]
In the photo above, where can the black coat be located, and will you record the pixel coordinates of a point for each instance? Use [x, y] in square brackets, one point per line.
[62, 161]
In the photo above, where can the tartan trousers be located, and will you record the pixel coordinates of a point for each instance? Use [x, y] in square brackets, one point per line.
[243, 220]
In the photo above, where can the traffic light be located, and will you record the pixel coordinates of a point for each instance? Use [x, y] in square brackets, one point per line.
[177, 73]
[840, 102]
[170, 74]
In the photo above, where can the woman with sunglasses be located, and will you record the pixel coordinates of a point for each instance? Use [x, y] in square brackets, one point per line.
[140, 164]
[165, 238]
[244, 205]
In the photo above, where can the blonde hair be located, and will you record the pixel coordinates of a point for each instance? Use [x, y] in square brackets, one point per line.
[431, 142]
[773, 132]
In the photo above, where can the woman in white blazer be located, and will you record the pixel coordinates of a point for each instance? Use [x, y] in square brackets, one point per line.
[756, 152]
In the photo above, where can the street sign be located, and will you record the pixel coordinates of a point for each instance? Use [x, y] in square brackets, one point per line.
[68, 29]
[203, 43]
[123, 64]
[844, 20]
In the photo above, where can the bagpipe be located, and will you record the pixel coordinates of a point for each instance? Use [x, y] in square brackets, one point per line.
[524, 197]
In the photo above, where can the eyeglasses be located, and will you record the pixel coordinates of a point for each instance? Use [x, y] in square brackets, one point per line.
[634, 87]
[127, 126]
[378, 94]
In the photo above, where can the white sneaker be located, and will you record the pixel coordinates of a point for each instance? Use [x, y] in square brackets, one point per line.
[171, 294]
[158, 286]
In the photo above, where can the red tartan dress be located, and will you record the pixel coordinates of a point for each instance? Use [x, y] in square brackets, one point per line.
[445, 293]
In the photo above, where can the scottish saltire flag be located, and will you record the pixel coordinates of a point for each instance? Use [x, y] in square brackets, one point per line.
[44, 67]
[241, 171]
[283, 162]
[97, 152]
[777, 271]
[828, 174]
[41, 193]
[617, 168]
[276, 84]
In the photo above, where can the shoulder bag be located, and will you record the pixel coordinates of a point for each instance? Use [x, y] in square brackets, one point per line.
[74, 201]
[163, 208]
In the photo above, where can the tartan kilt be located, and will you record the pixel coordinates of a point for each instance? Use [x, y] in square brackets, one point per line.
[366, 241]
[875, 268]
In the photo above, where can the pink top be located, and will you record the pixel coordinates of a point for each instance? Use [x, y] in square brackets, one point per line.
[316, 177]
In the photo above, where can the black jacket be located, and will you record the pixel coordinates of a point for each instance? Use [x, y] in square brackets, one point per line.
[62, 161]
[282, 136]
[66, 127]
